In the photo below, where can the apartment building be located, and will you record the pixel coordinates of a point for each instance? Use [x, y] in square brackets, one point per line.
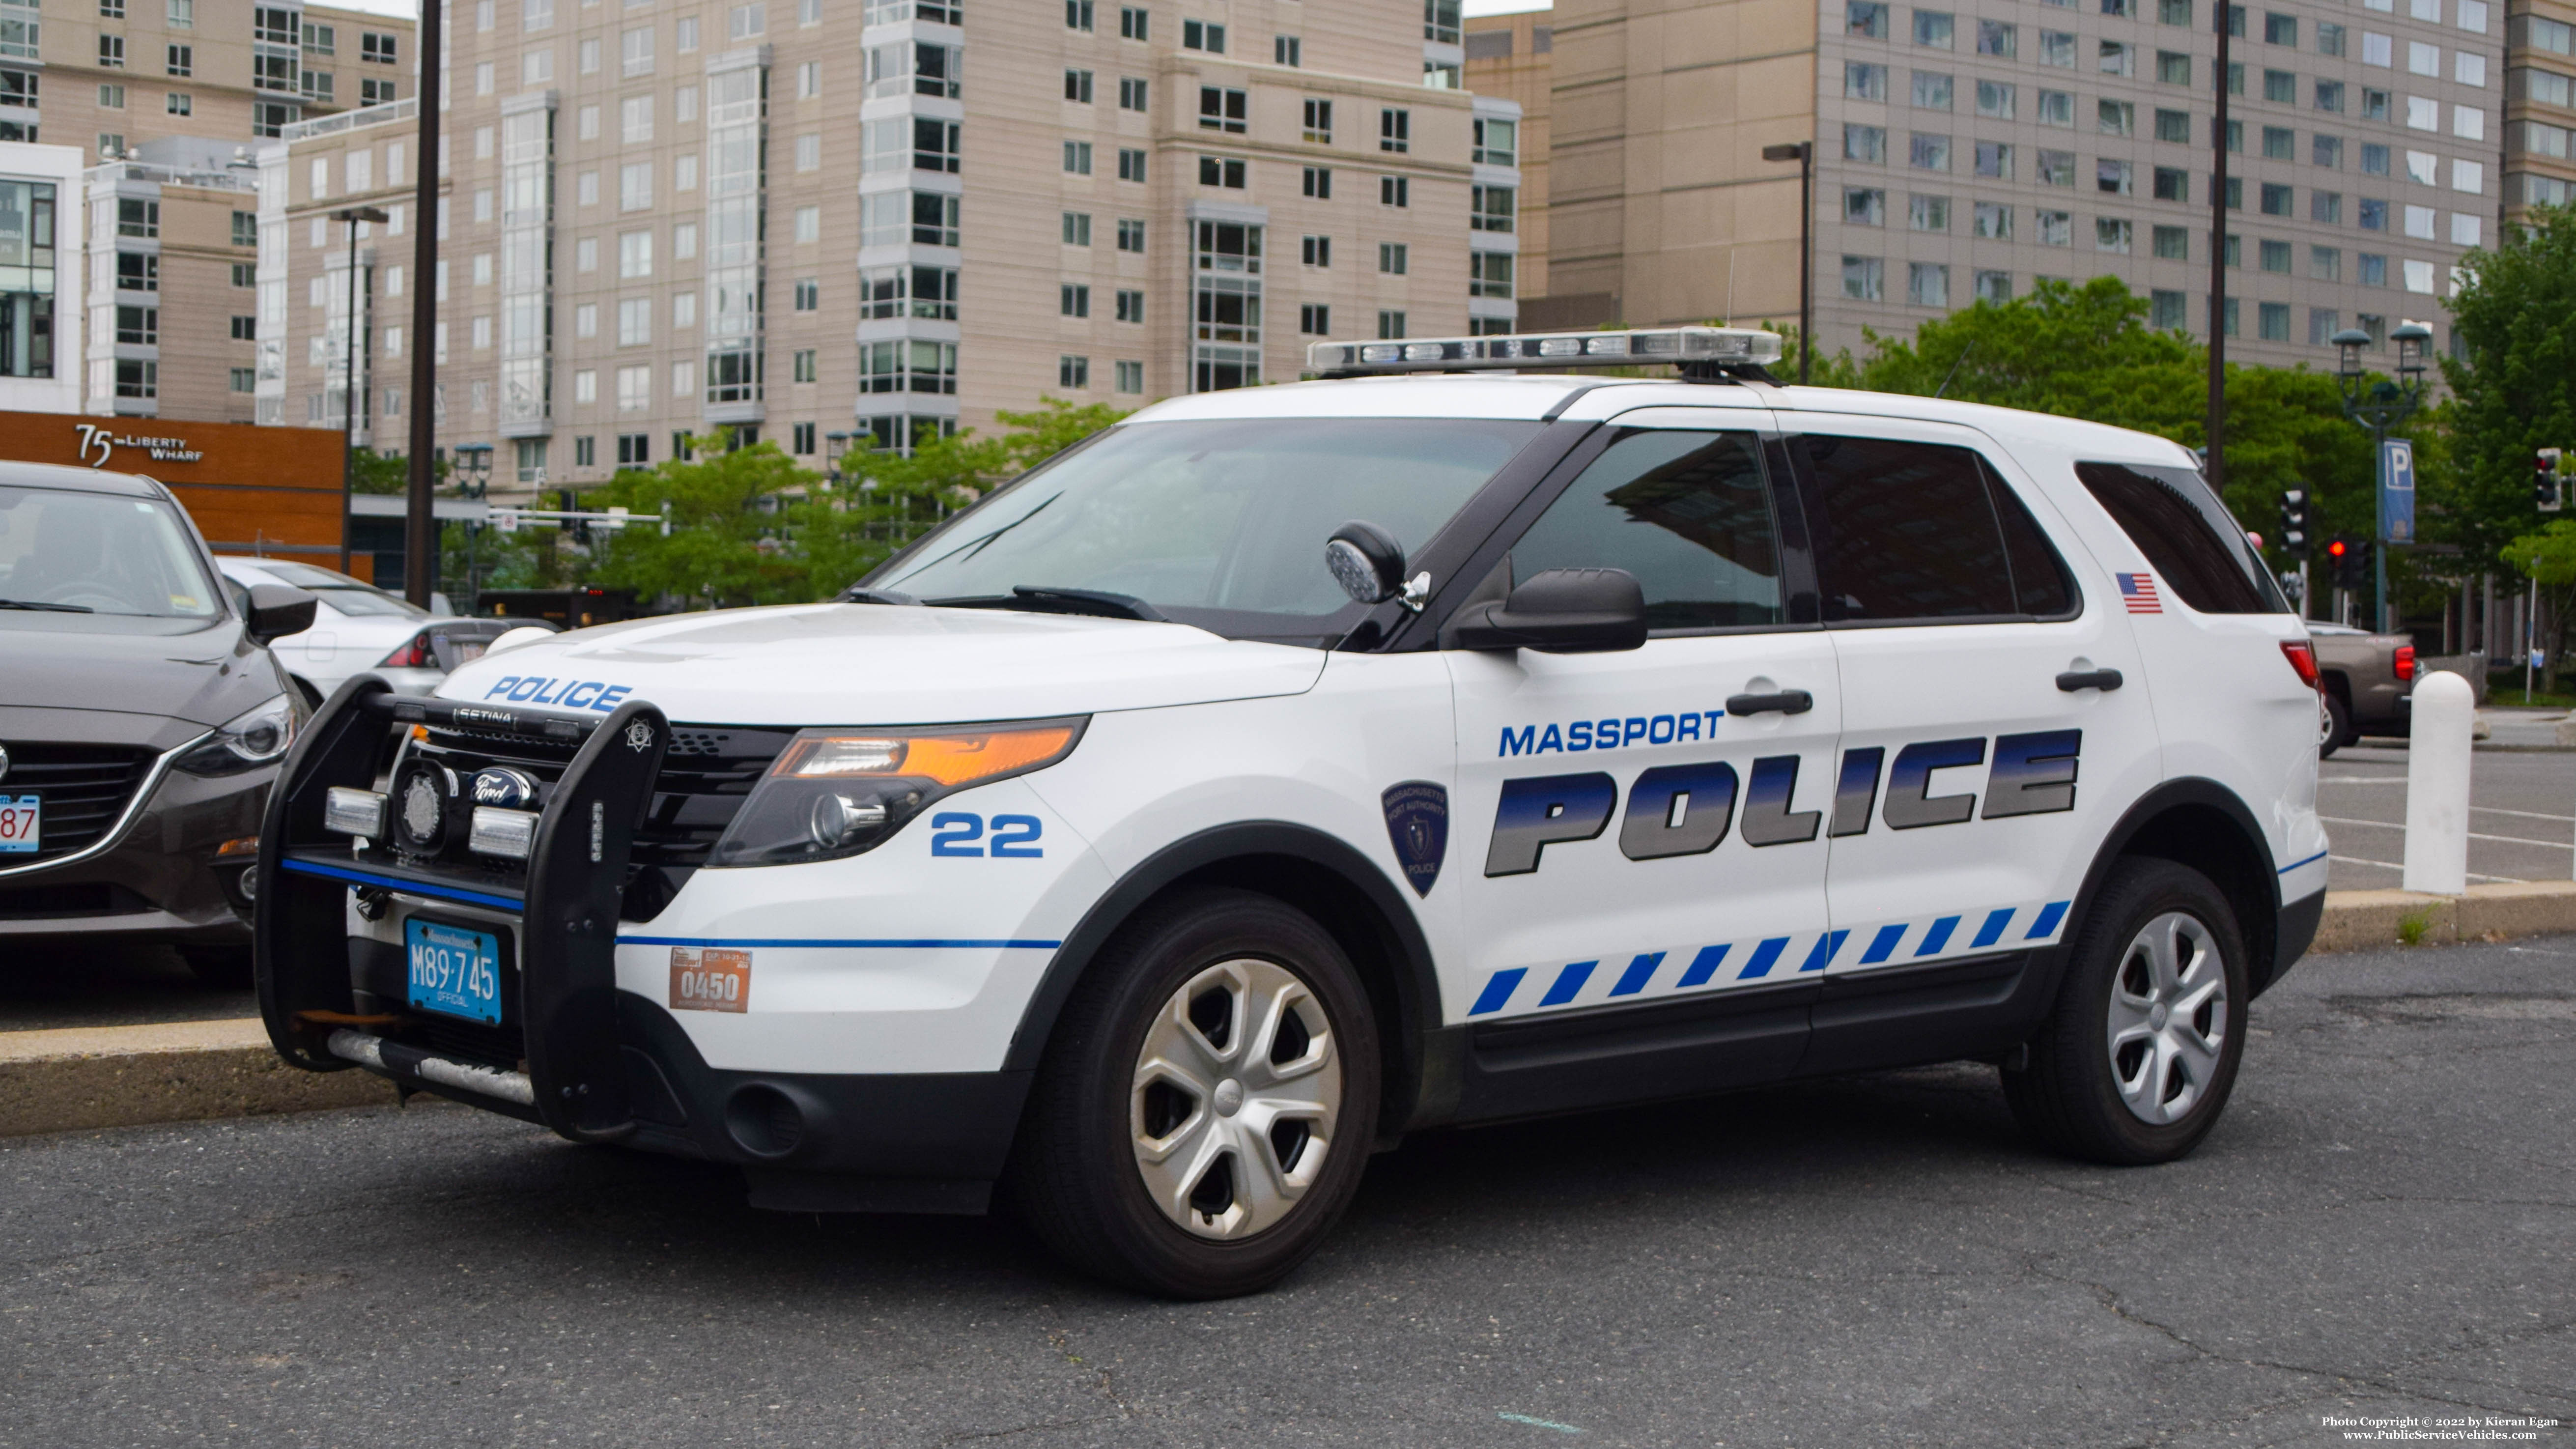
[1510, 58]
[109, 75]
[2539, 105]
[818, 220]
[1968, 153]
[170, 264]
[40, 257]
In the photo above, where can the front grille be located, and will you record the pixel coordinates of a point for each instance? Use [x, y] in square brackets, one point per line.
[707, 773]
[503, 1048]
[84, 787]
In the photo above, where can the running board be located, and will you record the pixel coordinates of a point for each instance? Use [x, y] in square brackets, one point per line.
[396, 1060]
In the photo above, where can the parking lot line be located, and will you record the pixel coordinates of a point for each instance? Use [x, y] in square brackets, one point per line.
[2473, 835]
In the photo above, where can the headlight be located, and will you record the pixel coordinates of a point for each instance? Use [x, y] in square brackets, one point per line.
[255, 737]
[837, 792]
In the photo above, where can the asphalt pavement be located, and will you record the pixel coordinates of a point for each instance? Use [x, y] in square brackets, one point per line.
[2522, 815]
[2382, 1227]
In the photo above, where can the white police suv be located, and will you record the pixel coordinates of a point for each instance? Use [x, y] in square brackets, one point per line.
[1285, 769]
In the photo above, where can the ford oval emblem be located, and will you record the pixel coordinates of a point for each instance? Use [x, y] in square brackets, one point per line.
[507, 788]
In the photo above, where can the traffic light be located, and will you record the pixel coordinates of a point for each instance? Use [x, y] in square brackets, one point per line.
[2547, 489]
[2351, 559]
[2294, 523]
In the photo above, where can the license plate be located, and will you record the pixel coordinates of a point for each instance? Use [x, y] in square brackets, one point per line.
[22, 823]
[454, 971]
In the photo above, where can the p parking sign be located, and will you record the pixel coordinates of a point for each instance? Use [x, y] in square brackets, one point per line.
[2397, 491]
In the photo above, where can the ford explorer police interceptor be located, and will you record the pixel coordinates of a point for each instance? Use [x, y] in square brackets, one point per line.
[1285, 769]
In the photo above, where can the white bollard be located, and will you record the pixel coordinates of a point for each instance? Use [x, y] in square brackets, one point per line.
[2437, 785]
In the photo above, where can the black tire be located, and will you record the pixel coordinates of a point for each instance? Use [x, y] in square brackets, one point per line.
[224, 967]
[2339, 730]
[2067, 1094]
[1076, 1176]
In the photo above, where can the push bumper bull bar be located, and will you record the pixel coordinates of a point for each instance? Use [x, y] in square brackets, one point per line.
[563, 914]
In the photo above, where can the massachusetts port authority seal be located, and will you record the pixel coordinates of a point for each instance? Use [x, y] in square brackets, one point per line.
[1417, 823]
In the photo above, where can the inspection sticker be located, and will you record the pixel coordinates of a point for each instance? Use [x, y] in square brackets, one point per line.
[710, 979]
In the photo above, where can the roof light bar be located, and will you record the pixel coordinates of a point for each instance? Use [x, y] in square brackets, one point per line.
[1721, 347]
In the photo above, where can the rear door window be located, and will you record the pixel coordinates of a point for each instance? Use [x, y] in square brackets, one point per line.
[2187, 536]
[1915, 532]
[1688, 513]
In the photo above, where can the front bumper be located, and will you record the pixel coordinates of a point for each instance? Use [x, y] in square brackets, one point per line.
[573, 1052]
[161, 874]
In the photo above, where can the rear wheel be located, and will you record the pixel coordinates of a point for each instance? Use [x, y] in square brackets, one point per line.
[2337, 726]
[1207, 1101]
[2141, 1050]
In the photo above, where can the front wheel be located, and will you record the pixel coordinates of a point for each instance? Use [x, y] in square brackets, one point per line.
[1206, 1103]
[2140, 1052]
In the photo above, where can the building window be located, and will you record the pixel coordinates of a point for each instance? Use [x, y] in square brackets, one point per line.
[801, 439]
[1221, 171]
[1395, 191]
[1131, 164]
[136, 216]
[1203, 35]
[1132, 93]
[1073, 372]
[1077, 228]
[111, 56]
[1492, 208]
[1131, 306]
[1223, 109]
[1316, 251]
[2112, 234]
[2166, 311]
[1489, 274]
[137, 379]
[1393, 258]
[245, 329]
[382, 49]
[1394, 129]
[1927, 284]
[1497, 142]
[1077, 158]
[808, 294]
[245, 274]
[1994, 287]
[2273, 321]
[1315, 319]
[1319, 182]
[1864, 278]
[1073, 299]
[1077, 86]
[138, 326]
[634, 450]
[245, 379]
[1077, 15]
[803, 364]
[1865, 143]
[1131, 377]
[1287, 50]
[2172, 243]
[908, 366]
[1390, 326]
[1133, 23]
[1131, 235]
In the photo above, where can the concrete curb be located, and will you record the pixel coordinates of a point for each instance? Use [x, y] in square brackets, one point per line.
[131, 1076]
[126, 1076]
[2361, 920]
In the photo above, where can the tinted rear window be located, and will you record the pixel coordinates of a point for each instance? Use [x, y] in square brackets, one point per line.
[1908, 531]
[2186, 534]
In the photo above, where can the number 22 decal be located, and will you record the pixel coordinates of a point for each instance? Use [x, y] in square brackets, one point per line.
[1014, 837]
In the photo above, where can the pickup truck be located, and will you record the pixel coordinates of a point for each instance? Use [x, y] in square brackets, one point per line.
[2367, 680]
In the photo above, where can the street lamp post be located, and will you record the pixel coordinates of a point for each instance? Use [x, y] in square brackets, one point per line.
[353, 215]
[2380, 406]
[1804, 153]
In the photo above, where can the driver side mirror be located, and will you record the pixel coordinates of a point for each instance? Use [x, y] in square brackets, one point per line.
[275, 611]
[1561, 611]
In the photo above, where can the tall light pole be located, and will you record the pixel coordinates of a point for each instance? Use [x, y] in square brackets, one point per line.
[1804, 153]
[2216, 427]
[2380, 406]
[349, 377]
[419, 541]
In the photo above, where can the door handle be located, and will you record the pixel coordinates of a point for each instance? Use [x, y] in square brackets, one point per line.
[2075, 679]
[1787, 701]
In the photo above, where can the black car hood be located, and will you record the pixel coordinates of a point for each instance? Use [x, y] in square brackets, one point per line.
[204, 672]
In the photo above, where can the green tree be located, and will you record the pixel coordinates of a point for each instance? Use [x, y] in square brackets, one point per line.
[2513, 385]
[728, 509]
[386, 472]
[2548, 558]
[2087, 352]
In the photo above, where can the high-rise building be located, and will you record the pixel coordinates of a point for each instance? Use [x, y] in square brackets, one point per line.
[1508, 59]
[819, 220]
[2539, 105]
[40, 271]
[1968, 154]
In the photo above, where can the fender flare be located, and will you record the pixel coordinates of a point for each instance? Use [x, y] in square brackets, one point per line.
[1416, 985]
[2262, 939]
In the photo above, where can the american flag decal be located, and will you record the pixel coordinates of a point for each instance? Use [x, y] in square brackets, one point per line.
[2138, 591]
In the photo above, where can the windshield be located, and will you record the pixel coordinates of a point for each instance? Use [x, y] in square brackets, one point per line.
[348, 595]
[99, 553]
[1221, 524]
